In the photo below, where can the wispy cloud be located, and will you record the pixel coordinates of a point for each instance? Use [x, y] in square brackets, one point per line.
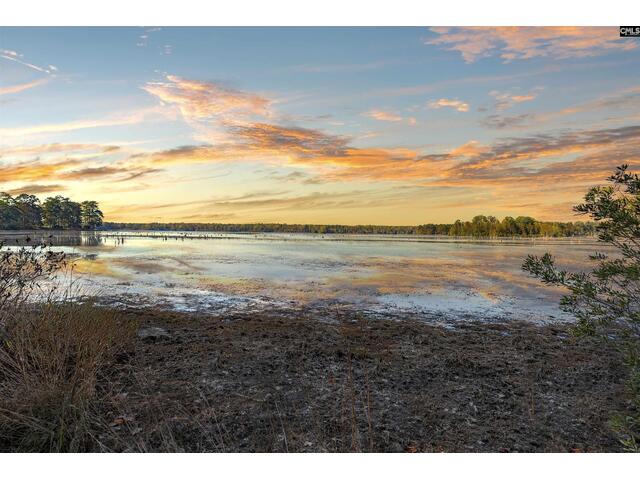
[383, 116]
[506, 100]
[34, 170]
[331, 156]
[451, 103]
[513, 164]
[49, 148]
[36, 189]
[503, 162]
[625, 99]
[143, 38]
[19, 58]
[128, 118]
[72, 169]
[339, 67]
[66, 162]
[531, 158]
[257, 141]
[126, 172]
[21, 87]
[207, 100]
[501, 122]
[517, 43]
[258, 204]
[303, 142]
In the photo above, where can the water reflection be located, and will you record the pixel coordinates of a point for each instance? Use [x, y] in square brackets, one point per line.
[53, 238]
[194, 270]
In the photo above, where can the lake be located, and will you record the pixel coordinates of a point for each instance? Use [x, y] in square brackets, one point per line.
[439, 277]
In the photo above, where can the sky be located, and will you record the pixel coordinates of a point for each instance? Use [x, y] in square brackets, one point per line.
[400, 126]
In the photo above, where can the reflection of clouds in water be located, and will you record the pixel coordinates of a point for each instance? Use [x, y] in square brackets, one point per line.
[429, 276]
[96, 267]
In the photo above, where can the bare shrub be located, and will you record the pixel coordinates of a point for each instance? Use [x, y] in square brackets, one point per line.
[22, 272]
[53, 353]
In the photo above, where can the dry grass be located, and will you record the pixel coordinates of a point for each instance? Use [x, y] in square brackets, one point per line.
[54, 352]
[52, 356]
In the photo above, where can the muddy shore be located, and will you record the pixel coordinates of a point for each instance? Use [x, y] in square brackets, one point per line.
[332, 381]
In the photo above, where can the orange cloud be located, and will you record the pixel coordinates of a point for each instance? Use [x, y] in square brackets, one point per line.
[471, 148]
[21, 87]
[516, 43]
[86, 173]
[523, 161]
[452, 103]
[628, 98]
[56, 148]
[298, 146]
[510, 121]
[34, 189]
[505, 100]
[246, 140]
[121, 119]
[504, 162]
[34, 170]
[205, 100]
[331, 156]
[82, 167]
[506, 167]
[383, 116]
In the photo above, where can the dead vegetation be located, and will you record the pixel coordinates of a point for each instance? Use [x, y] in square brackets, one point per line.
[54, 356]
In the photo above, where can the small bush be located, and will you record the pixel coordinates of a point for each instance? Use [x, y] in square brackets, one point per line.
[23, 272]
[52, 356]
[608, 297]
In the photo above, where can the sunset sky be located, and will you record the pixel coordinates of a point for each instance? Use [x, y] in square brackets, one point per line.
[317, 125]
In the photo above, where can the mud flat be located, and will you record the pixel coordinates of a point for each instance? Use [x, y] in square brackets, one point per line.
[333, 379]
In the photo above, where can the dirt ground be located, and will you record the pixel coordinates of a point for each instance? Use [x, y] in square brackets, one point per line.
[331, 381]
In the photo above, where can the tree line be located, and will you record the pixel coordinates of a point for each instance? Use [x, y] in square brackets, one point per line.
[26, 212]
[489, 226]
[479, 226]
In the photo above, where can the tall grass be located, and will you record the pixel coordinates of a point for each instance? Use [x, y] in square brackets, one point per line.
[53, 352]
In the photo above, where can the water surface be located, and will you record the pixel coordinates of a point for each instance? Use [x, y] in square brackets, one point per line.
[446, 277]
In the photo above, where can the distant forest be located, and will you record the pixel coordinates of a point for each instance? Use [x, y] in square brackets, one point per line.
[480, 226]
[26, 212]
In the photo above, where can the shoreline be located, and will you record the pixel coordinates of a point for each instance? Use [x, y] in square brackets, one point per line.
[205, 303]
[330, 380]
[284, 236]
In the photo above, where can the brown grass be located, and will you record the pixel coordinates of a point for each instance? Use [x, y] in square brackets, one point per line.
[51, 358]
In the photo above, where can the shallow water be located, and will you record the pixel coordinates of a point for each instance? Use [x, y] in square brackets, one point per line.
[450, 278]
